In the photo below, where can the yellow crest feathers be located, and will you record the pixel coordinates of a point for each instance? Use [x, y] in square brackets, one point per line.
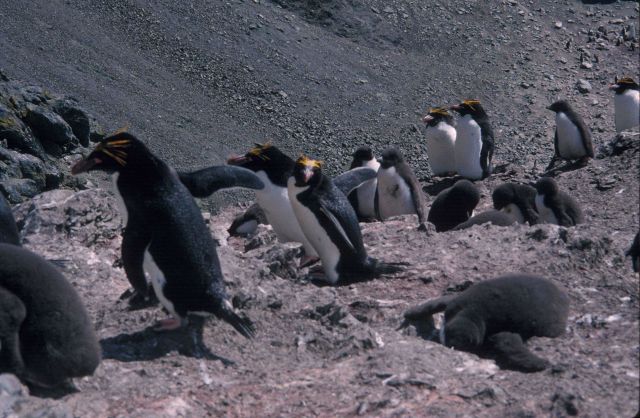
[306, 161]
[258, 149]
[439, 111]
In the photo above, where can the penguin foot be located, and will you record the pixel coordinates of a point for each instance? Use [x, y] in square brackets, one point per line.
[308, 260]
[169, 324]
[139, 300]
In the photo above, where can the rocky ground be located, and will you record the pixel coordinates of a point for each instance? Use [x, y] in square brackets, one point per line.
[337, 351]
[200, 80]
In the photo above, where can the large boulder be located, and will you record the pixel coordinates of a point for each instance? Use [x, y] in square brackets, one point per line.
[51, 129]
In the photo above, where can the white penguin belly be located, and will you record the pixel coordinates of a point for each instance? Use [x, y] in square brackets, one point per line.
[570, 145]
[157, 279]
[546, 214]
[274, 202]
[394, 195]
[248, 227]
[627, 110]
[317, 235]
[440, 144]
[468, 147]
[513, 210]
[367, 193]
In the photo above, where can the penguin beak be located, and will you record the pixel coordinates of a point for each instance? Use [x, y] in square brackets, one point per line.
[455, 107]
[427, 118]
[237, 160]
[307, 173]
[613, 86]
[84, 165]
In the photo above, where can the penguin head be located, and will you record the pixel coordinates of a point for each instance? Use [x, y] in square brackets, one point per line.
[462, 333]
[361, 156]
[114, 153]
[307, 172]
[437, 115]
[560, 106]
[465, 195]
[624, 84]
[546, 186]
[503, 195]
[391, 157]
[262, 157]
[469, 107]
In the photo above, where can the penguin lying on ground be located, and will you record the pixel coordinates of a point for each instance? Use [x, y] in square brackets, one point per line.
[441, 139]
[363, 199]
[572, 140]
[495, 217]
[475, 142]
[46, 336]
[555, 206]
[517, 200]
[453, 205]
[205, 182]
[495, 317]
[399, 192]
[247, 222]
[8, 229]
[634, 253]
[626, 103]
[331, 225]
[165, 234]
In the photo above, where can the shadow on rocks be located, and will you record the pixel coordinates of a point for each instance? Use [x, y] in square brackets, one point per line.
[149, 344]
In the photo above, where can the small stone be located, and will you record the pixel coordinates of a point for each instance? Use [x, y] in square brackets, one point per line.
[558, 25]
[583, 86]
[586, 65]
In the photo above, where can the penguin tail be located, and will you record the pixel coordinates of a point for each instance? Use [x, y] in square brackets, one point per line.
[379, 267]
[242, 324]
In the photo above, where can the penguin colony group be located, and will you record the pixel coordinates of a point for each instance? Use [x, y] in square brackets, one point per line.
[169, 256]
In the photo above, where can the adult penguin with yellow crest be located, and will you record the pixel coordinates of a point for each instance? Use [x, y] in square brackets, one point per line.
[331, 225]
[165, 235]
[474, 141]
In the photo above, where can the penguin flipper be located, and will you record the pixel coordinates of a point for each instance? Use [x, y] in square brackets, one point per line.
[243, 325]
[336, 223]
[512, 354]
[205, 182]
[353, 178]
[428, 308]
[585, 134]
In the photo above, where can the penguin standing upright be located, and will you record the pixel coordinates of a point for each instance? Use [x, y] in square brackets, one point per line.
[274, 168]
[518, 200]
[165, 234]
[8, 229]
[363, 198]
[572, 139]
[399, 192]
[555, 206]
[331, 225]
[441, 139]
[475, 142]
[626, 103]
[454, 205]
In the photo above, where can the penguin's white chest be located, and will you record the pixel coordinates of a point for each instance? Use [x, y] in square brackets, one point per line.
[394, 194]
[570, 145]
[468, 147]
[513, 210]
[157, 279]
[546, 214]
[627, 110]
[441, 148]
[275, 203]
[327, 250]
[367, 192]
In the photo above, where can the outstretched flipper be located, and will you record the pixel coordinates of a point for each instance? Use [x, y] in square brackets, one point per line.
[205, 182]
[511, 353]
[349, 180]
[242, 324]
[428, 308]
